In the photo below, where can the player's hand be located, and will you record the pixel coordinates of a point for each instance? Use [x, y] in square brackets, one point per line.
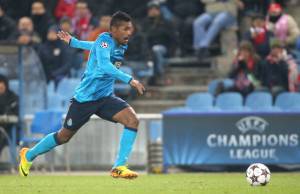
[138, 86]
[64, 36]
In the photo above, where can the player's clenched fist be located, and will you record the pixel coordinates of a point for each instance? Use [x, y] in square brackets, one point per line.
[138, 86]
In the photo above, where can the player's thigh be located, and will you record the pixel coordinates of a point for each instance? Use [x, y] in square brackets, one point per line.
[115, 109]
[127, 117]
[78, 114]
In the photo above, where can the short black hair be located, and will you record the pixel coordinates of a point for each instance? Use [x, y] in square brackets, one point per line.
[119, 17]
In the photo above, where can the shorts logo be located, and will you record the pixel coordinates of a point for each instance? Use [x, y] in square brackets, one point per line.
[69, 123]
[104, 44]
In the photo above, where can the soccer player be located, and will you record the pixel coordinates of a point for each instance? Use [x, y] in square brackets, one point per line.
[95, 95]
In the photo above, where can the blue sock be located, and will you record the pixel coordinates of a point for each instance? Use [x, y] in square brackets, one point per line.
[126, 143]
[45, 145]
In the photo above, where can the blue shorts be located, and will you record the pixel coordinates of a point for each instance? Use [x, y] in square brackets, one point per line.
[79, 113]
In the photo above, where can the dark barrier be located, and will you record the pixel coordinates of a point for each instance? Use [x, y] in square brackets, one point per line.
[231, 138]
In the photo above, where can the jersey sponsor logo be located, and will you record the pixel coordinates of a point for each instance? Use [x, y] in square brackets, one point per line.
[118, 64]
[104, 44]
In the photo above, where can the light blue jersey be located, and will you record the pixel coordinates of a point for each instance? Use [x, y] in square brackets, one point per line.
[102, 68]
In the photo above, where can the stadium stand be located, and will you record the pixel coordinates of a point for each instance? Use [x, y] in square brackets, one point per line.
[260, 101]
[230, 101]
[67, 86]
[38, 129]
[212, 86]
[200, 101]
[14, 85]
[122, 89]
[288, 101]
[57, 102]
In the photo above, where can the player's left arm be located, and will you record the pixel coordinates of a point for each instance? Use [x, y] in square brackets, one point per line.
[103, 56]
[74, 42]
[103, 49]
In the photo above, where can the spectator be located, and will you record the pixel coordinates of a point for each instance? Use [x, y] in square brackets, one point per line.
[136, 8]
[41, 20]
[184, 21]
[82, 22]
[103, 26]
[25, 34]
[137, 46]
[161, 39]
[77, 54]
[7, 25]
[282, 25]
[65, 8]
[98, 9]
[259, 36]
[179, 8]
[209, 24]
[246, 72]
[281, 52]
[137, 55]
[276, 69]
[248, 9]
[51, 5]
[65, 25]
[55, 57]
[8, 106]
[16, 8]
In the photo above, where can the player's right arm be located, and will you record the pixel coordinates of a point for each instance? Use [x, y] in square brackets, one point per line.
[74, 42]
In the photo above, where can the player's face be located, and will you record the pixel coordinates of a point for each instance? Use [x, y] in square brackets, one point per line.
[122, 32]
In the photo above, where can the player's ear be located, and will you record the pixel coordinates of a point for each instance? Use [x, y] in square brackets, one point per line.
[113, 28]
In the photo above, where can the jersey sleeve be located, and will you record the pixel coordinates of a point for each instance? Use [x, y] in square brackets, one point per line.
[85, 45]
[103, 49]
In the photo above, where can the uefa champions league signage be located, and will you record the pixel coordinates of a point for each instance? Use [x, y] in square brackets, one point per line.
[252, 123]
[233, 138]
[256, 145]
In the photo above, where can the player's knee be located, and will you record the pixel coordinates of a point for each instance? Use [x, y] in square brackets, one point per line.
[63, 140]
[133, 122]
[63, 137]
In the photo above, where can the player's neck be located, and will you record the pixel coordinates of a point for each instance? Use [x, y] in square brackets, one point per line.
[115, 40]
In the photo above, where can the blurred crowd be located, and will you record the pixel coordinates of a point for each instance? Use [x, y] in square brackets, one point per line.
[266, 58]
[268, 54]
